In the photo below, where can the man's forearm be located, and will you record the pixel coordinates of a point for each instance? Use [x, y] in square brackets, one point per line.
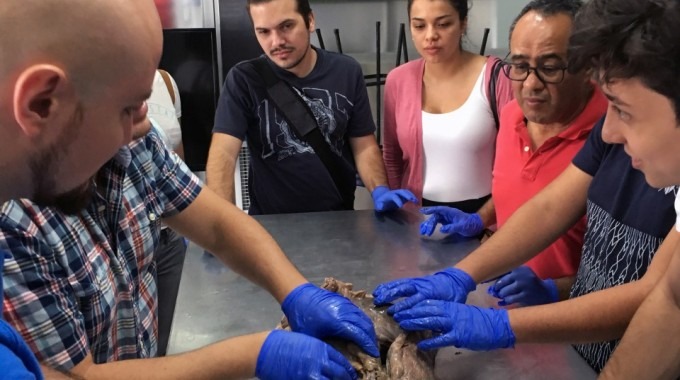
[564, 285]
[257, 256]
[229, 359]
[222, 157]
[594, 317]
[488, 213]
[515, 243]
[532, 227]
[650, 348]
[220, 179]
[52, 374]
[239, 241]
[368, 158]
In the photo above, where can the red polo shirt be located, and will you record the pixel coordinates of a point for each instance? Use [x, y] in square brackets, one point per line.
[520, 172]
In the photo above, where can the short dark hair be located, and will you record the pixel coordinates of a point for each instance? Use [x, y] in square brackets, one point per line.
[548, 8]
[303, 8]
[461, 6]
[630, 39]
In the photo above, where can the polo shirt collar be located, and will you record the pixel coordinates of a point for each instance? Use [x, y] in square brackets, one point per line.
[582, 124]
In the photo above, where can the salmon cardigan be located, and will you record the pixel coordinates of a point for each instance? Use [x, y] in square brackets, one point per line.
[403, 109]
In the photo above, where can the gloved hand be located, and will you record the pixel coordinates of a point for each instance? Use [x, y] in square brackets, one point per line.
[524, 287]
[452, 221]
[385, 199]
[289, 355]
[451, 284]
[460, 325]
[322, 314]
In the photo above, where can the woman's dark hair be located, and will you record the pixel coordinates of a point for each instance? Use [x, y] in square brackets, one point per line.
[303, 8]
[623, 39]
[548, 8]
[461, 6]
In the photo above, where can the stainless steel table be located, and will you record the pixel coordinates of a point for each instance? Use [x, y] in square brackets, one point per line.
[359, 247]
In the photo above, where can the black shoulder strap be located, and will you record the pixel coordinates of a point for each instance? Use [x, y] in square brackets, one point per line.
[303, 123]
[491, 91]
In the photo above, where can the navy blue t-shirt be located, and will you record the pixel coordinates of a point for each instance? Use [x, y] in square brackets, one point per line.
[627, 221]
[17, 362]
[285, 174]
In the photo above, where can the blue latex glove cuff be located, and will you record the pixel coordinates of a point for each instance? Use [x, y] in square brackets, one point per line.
[323, 314]
[551, 287]
[460, 277]
[524, 287]
[292, 297]
[379, 191]
[451, 284]
[385, 199]
[452, 220]
[459, 325]
[287, 355]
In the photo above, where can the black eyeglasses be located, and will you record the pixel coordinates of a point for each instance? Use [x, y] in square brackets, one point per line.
[546, 73]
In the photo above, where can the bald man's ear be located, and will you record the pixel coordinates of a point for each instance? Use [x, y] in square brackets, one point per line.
[38, 95]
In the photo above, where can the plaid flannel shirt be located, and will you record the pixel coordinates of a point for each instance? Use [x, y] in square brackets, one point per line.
[87, 283]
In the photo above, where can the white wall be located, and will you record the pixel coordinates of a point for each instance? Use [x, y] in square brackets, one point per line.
[508, 9]
[356, 21]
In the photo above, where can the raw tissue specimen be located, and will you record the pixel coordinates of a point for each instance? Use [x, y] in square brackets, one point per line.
[399, 358]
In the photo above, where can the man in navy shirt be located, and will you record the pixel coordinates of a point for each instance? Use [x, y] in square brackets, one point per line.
[634, 47]
[286, 175]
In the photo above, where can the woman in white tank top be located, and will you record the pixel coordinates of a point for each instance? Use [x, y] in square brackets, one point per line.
[439, 128]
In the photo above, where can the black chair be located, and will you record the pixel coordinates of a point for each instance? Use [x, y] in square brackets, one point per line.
[401, 45]
[320, 38]
[337, 40]
[484, 39]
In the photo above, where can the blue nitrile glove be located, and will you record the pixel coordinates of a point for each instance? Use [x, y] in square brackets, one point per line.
[451, 284]
[289, 355]
[460, 325]
[385, 199]
[524, 287]
[322, 314]
[452, 221]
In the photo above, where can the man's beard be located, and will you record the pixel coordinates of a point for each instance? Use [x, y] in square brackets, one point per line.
[70, 202]
[299, 60]
[42, 171]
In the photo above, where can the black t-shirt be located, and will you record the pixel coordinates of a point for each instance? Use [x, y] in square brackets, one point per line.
[285, 174]
[627, 221]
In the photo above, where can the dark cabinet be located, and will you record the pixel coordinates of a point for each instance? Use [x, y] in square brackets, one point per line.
[190, 56]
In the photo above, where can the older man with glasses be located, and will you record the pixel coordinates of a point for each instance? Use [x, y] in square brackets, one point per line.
[627, 245]
[540, 132]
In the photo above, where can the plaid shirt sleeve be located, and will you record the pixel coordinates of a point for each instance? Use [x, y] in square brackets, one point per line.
[175, 184]
[39, 300]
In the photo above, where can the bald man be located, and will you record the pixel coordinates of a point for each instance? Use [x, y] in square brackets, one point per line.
[64, 113]
[70, 97]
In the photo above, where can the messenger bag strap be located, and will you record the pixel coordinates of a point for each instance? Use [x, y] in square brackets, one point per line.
[303, 123]
[493, 101]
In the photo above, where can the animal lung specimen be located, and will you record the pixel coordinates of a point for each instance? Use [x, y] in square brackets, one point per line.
[400, 357]
[406, 361]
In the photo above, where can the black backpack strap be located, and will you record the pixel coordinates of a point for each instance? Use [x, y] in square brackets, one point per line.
[303, 123]
[491, 91]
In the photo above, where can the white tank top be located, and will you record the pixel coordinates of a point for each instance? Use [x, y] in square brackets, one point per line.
[459, 149]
